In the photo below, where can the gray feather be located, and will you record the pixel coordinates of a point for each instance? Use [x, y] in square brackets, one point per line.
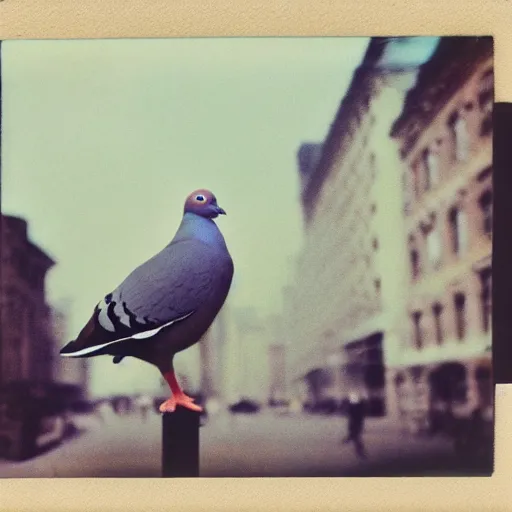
[181, 277]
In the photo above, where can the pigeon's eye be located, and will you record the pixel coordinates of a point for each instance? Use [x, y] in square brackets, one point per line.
[200, 198]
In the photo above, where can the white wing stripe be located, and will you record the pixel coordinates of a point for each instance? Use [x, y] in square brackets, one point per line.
[103, 318]
[88, 350]
[140, 335]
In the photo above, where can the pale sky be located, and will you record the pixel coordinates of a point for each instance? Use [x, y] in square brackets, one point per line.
[103, 140]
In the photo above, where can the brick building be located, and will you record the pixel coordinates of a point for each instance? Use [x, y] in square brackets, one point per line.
[26, 339]
[445, 139]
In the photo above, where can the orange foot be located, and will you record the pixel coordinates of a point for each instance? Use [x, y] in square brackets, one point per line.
[183, 400]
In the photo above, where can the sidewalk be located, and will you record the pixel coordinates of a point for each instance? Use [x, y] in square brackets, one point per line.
[263, 445]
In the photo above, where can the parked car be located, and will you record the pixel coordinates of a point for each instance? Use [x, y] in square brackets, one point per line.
[30, 420]
[245, 406]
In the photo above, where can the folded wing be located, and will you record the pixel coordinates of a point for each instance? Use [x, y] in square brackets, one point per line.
[164, 290]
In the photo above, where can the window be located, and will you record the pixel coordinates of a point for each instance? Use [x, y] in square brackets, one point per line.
[418, 334]
[433, 240]
[399, 380]
[431, 166]
[458, 230]
[486, 100]
[486, 298]
[459, 128]
[460, 315]
[415, 263]
[437, 311]
[486, 207]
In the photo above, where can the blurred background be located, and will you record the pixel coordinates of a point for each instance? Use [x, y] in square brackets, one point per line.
[357, 178]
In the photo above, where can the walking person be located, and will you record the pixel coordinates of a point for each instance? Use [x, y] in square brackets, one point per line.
[356, 415]
[144, 403]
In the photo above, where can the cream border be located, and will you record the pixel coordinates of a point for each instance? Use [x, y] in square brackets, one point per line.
[46, 19]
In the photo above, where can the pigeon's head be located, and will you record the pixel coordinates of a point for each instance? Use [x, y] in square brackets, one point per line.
[202, 202]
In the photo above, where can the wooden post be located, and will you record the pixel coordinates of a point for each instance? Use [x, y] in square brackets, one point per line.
[180, 443]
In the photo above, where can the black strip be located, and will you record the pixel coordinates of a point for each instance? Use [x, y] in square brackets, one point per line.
[502, 244]
[119, 328]
[133, 320]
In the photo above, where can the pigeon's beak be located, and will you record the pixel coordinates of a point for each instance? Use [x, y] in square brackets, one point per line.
[220, 211]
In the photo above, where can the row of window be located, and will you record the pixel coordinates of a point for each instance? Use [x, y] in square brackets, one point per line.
[459, 299]
[457, 224]
[426, 170]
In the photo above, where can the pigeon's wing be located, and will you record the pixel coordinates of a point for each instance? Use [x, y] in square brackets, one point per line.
[164, 290]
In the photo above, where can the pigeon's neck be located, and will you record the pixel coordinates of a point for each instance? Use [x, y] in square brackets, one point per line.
[200, 228]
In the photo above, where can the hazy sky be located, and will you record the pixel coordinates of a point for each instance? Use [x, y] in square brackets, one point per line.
[103, 139]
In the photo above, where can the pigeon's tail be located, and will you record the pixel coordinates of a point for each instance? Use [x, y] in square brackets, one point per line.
[76, 349]
[72, 349]
[88, 343]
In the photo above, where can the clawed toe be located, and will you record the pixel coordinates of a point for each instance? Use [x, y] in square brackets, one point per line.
[184, 400]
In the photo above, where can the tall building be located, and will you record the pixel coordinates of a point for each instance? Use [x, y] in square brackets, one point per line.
[212, 352]
[346, 315]
[277, 372]
[27, 348]
[68, 370]
[445, 139]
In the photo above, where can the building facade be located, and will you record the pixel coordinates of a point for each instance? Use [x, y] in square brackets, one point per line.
[346, 316]
[445, 138]
[27, 349]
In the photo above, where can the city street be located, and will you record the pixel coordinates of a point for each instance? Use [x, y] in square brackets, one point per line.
[264, 444]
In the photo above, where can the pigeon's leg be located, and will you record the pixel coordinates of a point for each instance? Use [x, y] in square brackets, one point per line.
[178, 396]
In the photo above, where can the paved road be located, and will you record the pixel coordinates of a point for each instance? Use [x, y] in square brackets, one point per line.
[265, 444]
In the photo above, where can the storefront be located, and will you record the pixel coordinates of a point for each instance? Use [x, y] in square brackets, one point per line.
[428, 393]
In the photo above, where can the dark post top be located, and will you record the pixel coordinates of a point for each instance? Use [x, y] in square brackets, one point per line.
[180, 443]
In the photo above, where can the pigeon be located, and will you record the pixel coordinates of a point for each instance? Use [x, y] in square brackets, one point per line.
[166, 304]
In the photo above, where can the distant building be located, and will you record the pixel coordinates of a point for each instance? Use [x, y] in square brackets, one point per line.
[68, 370]
[242, 363]
[277, 372]
[345, 316]
[212, 357]
[445, 139]
[27, 347]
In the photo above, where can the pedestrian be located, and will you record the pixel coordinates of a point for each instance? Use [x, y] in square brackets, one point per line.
[356, 415]
[144, 403]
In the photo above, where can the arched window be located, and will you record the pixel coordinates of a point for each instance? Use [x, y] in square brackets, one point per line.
[418, 332]
[415, 263]
[437, 311]
[486, 298]
[460, 135]
[459, 300]
[458, 230]
[431, 165]
[486, 208]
